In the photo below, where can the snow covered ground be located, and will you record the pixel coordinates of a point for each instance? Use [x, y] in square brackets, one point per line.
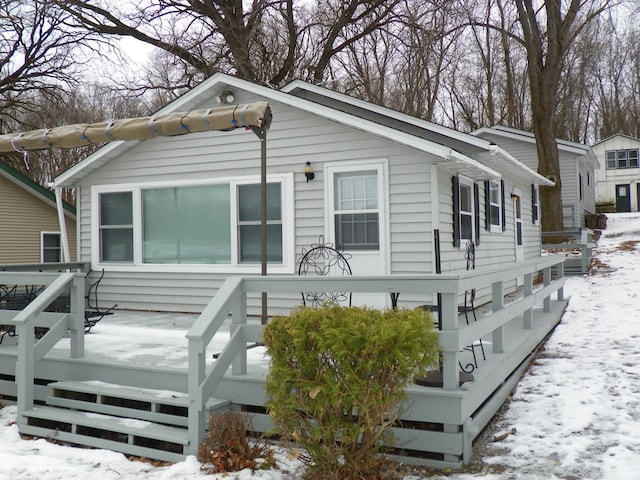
[575, 414]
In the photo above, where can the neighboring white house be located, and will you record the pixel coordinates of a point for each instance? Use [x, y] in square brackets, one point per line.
[169, 219]
[618, 178]
[578, 165]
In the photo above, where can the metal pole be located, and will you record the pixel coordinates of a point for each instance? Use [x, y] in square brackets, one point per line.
[64, 239]
[263, 216]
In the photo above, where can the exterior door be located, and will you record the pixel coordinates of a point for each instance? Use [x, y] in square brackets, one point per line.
[356, 221]
[623, 198]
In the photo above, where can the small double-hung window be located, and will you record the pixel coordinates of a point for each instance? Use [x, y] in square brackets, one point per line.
[116, 227]
[466, 211]
[357, 211]
[495, 207]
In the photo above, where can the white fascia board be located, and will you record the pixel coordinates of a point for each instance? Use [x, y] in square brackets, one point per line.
[529, 172]
[528, 137]
[403, 117]
[204, 89]
[67, 178]
[487, 173]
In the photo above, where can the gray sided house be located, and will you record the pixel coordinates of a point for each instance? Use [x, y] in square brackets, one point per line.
[578, 165]
[618, 178]
[29, 225]
[170, 219]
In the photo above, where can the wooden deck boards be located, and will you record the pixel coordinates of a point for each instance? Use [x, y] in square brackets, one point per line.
[470, 407]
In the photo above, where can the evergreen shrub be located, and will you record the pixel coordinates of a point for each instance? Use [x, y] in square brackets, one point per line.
[337, 379]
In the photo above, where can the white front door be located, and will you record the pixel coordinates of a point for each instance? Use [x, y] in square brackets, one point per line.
[356, 219]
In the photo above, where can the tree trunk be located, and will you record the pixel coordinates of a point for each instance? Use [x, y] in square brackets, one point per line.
[549, 167]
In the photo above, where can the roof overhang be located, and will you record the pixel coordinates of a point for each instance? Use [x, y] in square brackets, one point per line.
[448, 158]
[516, 168]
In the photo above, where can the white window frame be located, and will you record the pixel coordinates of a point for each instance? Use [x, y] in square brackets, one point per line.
[467, 182]
[288, 234]
[381, 167]
[495, 227]
[42, 246]
[516, 196]
[536, 221]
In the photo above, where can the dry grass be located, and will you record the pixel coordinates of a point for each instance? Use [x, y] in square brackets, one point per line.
[227, 447]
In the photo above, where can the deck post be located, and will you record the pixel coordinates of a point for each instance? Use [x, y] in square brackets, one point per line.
[497, 303]
[76, 309]
[527, 316]
[25, 368]
[239, 318]
[196, 411]
[560, 275]
[546, 280]
[450, 368]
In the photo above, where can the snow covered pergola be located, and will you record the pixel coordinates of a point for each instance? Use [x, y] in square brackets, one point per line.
[254, 116]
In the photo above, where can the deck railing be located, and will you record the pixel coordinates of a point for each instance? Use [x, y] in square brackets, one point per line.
[577, 240]
[455, 334]
[49, 327]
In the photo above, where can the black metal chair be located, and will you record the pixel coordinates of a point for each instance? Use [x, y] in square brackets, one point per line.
[92, 312]
[324, 259]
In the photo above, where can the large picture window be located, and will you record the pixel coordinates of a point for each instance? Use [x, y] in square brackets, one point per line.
[207, 224]
[186, 225]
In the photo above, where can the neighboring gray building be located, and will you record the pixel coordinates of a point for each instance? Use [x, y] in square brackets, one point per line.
[578, 165]
[618, 178]
[170, 219]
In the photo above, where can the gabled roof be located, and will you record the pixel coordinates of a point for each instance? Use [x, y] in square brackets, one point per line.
[629, 137]
[528, 137]
[33, 188]
[439, 142]
[460, 141]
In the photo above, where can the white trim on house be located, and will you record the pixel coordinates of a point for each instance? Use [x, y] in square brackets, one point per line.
[528, 137]
[459, 162]
[137, 265]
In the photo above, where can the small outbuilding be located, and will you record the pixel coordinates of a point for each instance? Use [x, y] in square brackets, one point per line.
[618, 178]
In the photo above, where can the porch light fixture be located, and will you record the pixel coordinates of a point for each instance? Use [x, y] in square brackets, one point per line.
[225, 97]
[308, 172]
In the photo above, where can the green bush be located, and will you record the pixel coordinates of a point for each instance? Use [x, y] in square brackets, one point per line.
[337, 379]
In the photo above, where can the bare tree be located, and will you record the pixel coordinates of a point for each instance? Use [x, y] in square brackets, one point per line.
[266, 41]
[92, 103]
[36, 55]
[549, 29]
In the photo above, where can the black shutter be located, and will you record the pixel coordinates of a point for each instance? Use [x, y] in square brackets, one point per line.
[504, 210]
[487, 206]
[476, 207]
[534, 203]
[456, 210]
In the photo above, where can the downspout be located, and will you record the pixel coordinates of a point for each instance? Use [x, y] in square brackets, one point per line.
[64, 239]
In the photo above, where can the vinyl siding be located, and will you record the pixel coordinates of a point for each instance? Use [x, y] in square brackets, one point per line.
[570, 166]
[294, 138]
[23, 217]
